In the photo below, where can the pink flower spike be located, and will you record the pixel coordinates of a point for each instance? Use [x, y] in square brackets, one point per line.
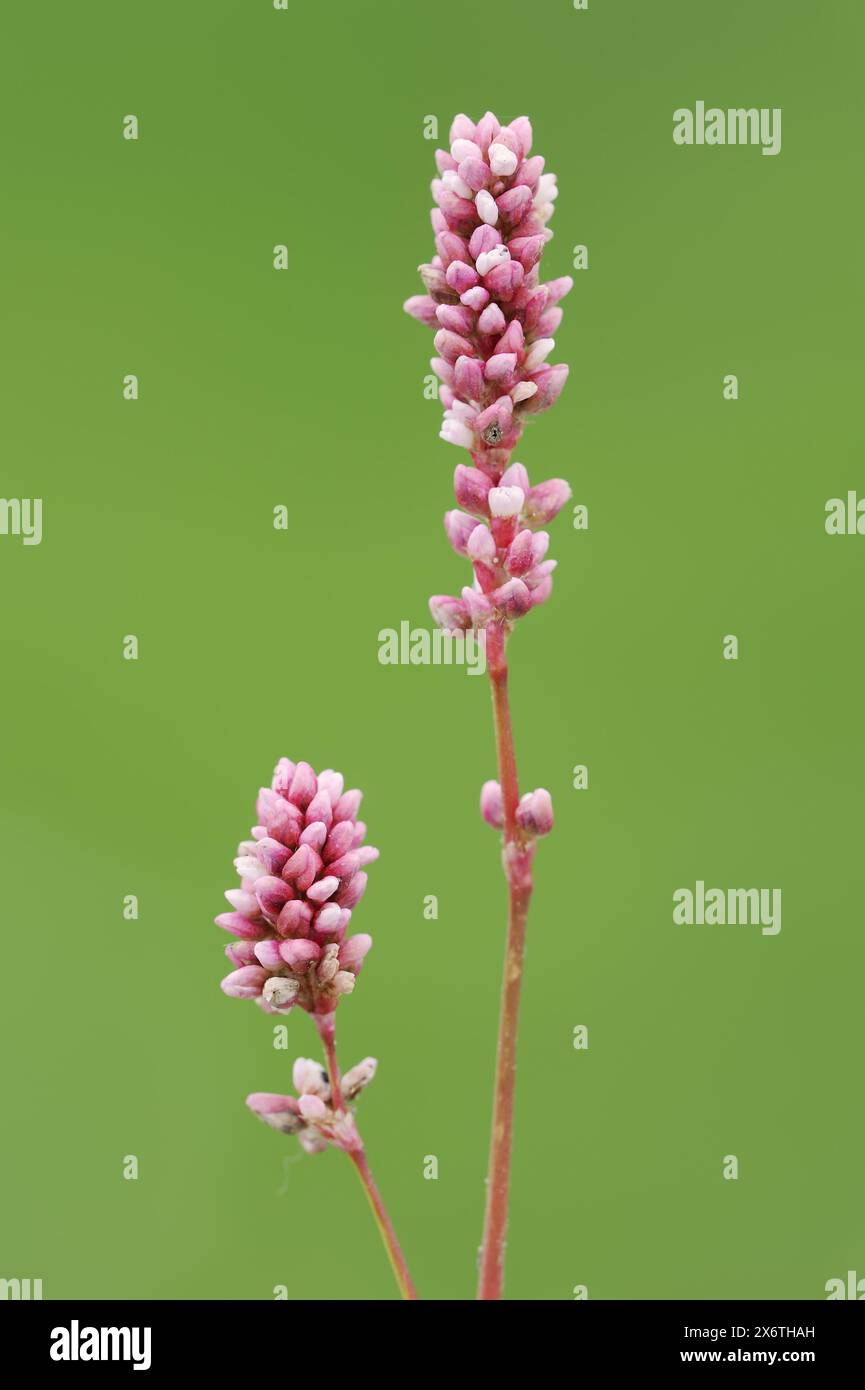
[245, 983]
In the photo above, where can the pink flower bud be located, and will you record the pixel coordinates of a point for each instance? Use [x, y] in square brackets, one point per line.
[320, 808]
[478, 607]
[339, 841]
[504, 280]
[315, 834]
[506, 501]
[482, 239]
[347, 806]
[267, 954]
[515, 476]
[451, 345]
[353, 951]
[298, 955]
[492, 808]
[312, 1108]
[546, 501]
[512, 339]
[456, 317]
[486, 207]
[469, 377]
[272, 855]
[513, 598]
[460, 277]
[557, 289]
[240, 926]
[351, 893]
[294, 919]
[282, 1113]
[503, 161]
[519, 558]
[500, 365]
[422, 308]
[535, 812]
[515, 203]
[328, 922]
[322, 890]
[459, 527]
[472, 487]
[356, 1078]
[245, 983]
[475, 173]
[487, 261]
[309, 1078]
[303, 786]
[241, 953]
[464, 148]
[448, 612]
[481, 545]
[476, 299]
[527, 250]
[492, 320]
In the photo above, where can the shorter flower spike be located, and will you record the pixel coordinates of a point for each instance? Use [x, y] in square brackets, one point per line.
[310, 1115]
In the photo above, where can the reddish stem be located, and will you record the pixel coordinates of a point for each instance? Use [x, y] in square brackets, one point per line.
[518, 871]
[352, 1144]
[383, 1221]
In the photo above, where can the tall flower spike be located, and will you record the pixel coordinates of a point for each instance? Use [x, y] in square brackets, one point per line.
[301, 874]
[493, 320]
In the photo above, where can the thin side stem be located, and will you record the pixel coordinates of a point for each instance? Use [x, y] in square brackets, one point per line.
[518, 871]
[383, 1221]
[352, 1144]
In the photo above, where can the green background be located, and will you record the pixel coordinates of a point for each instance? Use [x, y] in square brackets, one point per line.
[305, 388]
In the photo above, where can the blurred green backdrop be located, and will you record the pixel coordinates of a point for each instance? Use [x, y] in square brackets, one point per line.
[305, 388]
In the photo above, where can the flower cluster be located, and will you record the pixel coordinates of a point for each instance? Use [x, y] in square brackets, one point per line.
[484, 297]
[309, 1114]
[494, 320]
[300, 876]
[498, 532]
[534, 812]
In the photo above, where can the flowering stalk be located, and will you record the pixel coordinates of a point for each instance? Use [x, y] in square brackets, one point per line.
[494, 320]
[301, 875]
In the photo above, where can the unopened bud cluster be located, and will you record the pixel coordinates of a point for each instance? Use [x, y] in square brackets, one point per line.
[310, 1115]
[534, 814]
